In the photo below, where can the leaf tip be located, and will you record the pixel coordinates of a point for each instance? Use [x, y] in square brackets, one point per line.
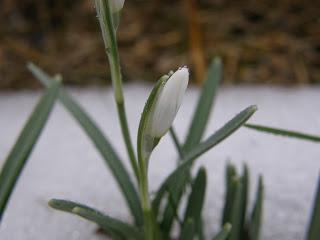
[254, 108]
[217, 60]
[54, 203]
[58, 77]
[30, 66]
[227, 227]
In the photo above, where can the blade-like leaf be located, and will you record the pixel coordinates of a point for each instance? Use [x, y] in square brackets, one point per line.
[101, 143]
[188, 231]
[196, 199]
[283, 132]
[231, 174]
[256, 218]
[204, 106]
[203, 147]
[171, 209]
[236, 211]
[176, 141]
[200, 229]
[105, 222]
[314, 229]
[224, 233]
[244, 200]
[26, 141]
[174, 197]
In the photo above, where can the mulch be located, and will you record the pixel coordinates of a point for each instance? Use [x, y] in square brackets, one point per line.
[260, 42]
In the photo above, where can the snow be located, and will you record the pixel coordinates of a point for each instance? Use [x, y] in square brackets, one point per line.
[66, 165]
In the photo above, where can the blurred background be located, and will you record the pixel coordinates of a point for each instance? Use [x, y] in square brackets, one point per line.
[261, 42]
[269, 50]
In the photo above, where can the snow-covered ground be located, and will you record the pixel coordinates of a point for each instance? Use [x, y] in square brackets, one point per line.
[65, 165]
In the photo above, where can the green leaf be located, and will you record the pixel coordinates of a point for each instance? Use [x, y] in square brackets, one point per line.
[174, 196]
[236, 211]
[101, 143]
[200, 229]
[189, 158]
[244, 200]
[224, 132]
[314, 229]
[224, 233]
[256, 218]
[26, 141]
[196, 199]
[231, 174]
[204, 106]
[283, 132]
[176, 141]
[175, 193]
[105, 222]
[171, 210]
[188, 231]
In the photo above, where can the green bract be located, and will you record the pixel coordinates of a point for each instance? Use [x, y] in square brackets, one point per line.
[145, 142]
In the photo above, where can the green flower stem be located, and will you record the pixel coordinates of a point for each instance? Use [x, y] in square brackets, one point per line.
[146, 204]
[127, 138]
[114, 61]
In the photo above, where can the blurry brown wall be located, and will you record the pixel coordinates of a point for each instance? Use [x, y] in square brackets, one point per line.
[260, 41]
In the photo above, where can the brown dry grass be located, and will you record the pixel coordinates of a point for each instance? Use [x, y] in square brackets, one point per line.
[260, 41]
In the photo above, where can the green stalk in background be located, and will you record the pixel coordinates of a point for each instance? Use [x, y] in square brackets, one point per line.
[110, 42]
[284, 132]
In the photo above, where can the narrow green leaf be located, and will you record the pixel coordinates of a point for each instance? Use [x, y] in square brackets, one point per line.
[196, 199]
[244, 200]
[256, 218]
[170, 189]
[236, 211]
[283, 132]
[203, 147]
[231, 174]
[101, 143]
[188, 231]
[171, 209]
[105, 222]
[200, 229]
[204, 106]
[176, 141]
[20, 152]
[224, 233]
[314, 226]
[224, 132]
[174, 197]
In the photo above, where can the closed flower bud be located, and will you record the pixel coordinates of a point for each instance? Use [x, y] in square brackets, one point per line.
[116, 5]
[167, 103]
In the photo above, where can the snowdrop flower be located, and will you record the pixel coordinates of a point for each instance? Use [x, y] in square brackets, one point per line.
[116, 5]
[168, 103]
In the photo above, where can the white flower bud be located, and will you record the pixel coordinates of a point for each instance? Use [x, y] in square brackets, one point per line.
[168, 103]
[116, 5]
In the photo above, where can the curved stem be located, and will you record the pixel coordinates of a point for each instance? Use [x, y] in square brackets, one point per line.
[114, 61]
[127, 138]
